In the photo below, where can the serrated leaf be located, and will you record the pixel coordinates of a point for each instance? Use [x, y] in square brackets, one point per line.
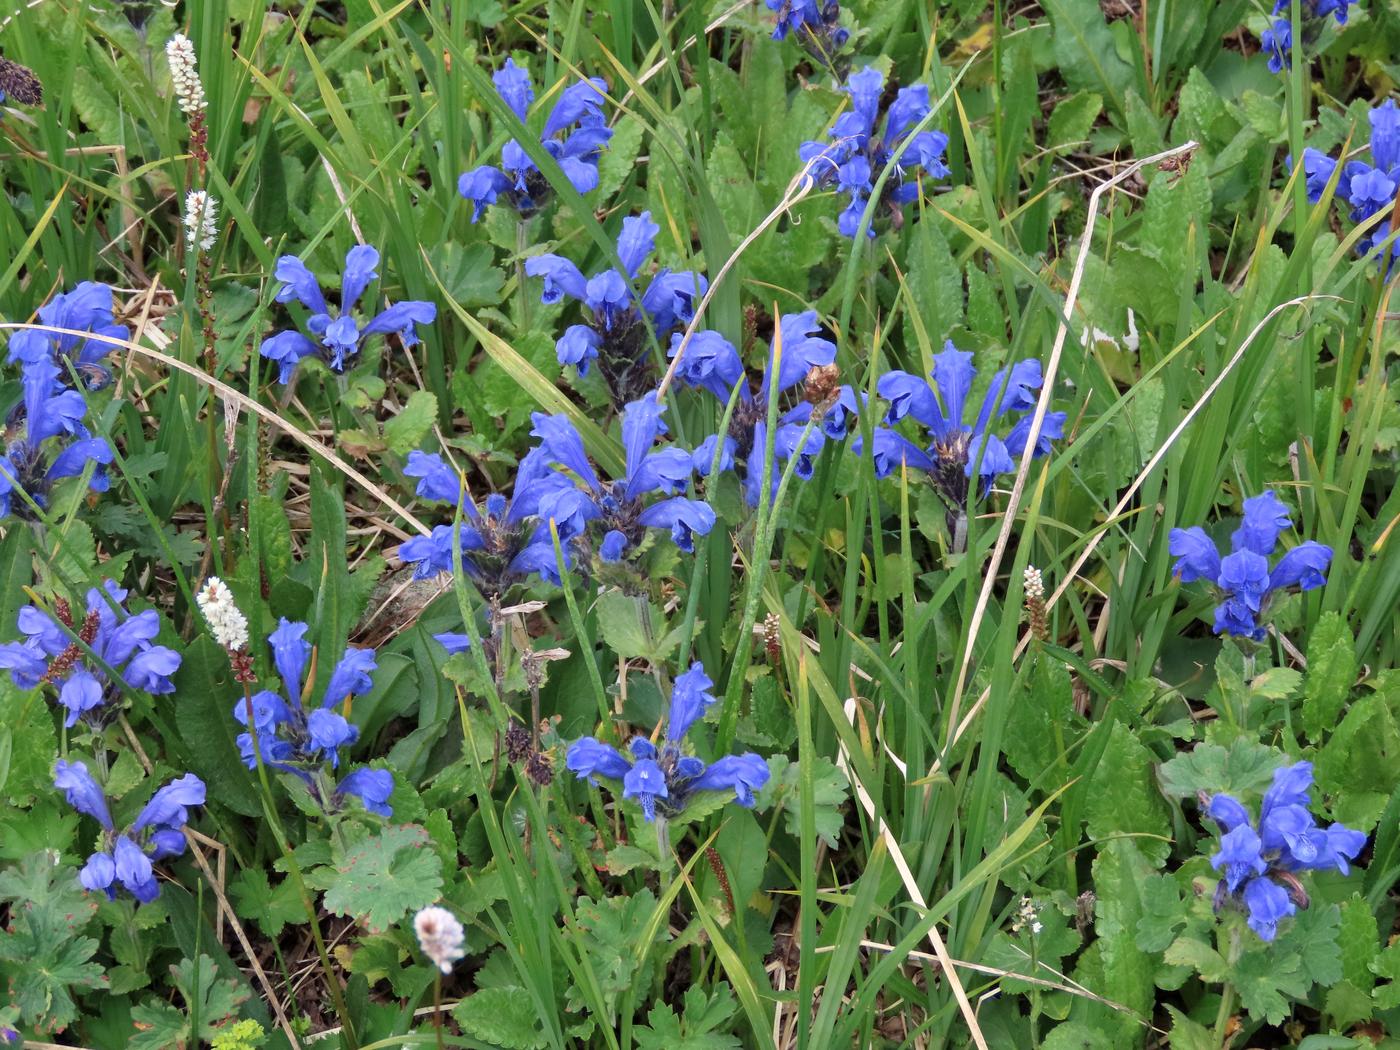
[160, 1026]
[1199, 956]
[1186, 1034]
[1119, 871]
[1360, 942]
[271, 907]
[1078, 1035]
[1245, 768]
[504, 1017]
[694, 1028]
[1162, 913]
[385, 877]
[204, 717]
[407, 429]
[29, 742]
[1331, 669]
[829, 793]
[1122, 799]
[469, 273]
[626, 857]
[610, 930]
[635, 629]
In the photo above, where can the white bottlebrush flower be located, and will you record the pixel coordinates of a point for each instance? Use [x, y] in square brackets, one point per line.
[1034, 583]
[229, 625]
[440, 936]
[184, 74]
[201, 219]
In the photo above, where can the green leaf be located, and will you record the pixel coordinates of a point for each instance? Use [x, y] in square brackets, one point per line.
[28, 744]
[469, 273]
[1200, 957]
[1122, 798]
[633, 628]
[1119, 871]
[272, 907]
[1073, 117]
[1360, 942]
[406, 430]
[204, 683]
[1331, 670]
[829, 793]
[385, 877]
[1245, 768]
[626, 857]
[504, 1017]
[1085, 50]
[1267, 981]
[1312, 937]
[1359, 766]
[695, 1028]
[610, 930]
[1387, 967]
[1077, 1035]
[1162, 913]
[207, 995]
[1186, 1034]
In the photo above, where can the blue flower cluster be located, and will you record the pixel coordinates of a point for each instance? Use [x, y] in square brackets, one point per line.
[1371, 188]
[1277, 40]
[502, 542]
[710, 362]
[293, 739]
[816, 25]
[1245, 583]
[338, 336]
[622, 509]
[1259, 862]
[859, 152]
[662, 780]
[615, 335]
[45, 438]
[49, 655]
[87, 308]
[957, 449]
[127, 857]
[574, 135]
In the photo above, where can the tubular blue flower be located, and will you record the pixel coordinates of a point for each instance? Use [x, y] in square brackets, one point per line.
[50, 655]
[662, 780]
[371, 786]
[87, 308]
[504, 541]
[615, 334]
[47, 443]
[710, 362]
[622, 509]
[1242, 580]
[816, 26]
[958, 450]
[574, 135]
[1277, 43]
[338, 338]
[126, 855]
[295, 735]
[1258, 861]
[1369, 188]
[858, 155]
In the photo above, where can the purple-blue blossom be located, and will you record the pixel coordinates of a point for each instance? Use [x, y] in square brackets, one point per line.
[502, 542]
[815, 24]
[710, 362]
[338, 336]
[49, 654]
[861, 148]
[303, 741]
[1258, 862]
[46, 441]
[624, 509]
[1369, 188]
[574, 134]
[958, 450]
[125, 856]
[663, 779]
[1244, 582]
[615, 333]
[87, 308]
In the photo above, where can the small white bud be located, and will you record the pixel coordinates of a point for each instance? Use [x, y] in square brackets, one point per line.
[229, 625]
[184, 74]
[201, 219]
[440, 936]
[1034, 584]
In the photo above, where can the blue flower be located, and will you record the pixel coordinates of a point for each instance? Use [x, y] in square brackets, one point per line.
[817, 26]
[502, 542]
[46, 441]
[574, 135]
[301, 740]
[662, 780]
[625, 508]
[615, 335]
[857, 155]
[1369, 189]
[372, 787]
[958, 450]
[126, 856]
[338, 336]
[87, 308]
[710, 362]
[48, 654]
[1244, 583]
[1277, 43]
[1258, 862]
